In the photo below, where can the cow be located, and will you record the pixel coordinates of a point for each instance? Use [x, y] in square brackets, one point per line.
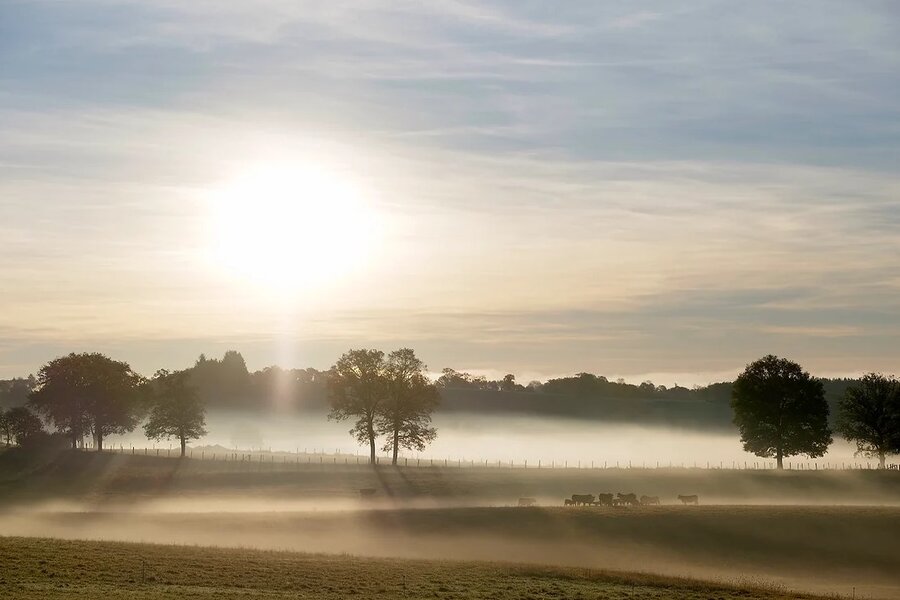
[582, 499]
[367, 492]
[626, 499]
[568, 502]
[604, 500]
[648, 500]
[527, 501]
[692, 499]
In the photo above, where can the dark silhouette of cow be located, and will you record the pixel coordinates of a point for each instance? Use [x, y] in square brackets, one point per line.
[693, 499]
[582, 499]
[648, 500]
[605, 499]
[527, 501]
[627, 499]
[568, 502]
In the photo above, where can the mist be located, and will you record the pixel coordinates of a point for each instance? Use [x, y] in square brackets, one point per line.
[513, 439]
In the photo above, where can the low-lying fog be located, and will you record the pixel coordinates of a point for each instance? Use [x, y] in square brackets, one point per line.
[500, 438]
[828, 550]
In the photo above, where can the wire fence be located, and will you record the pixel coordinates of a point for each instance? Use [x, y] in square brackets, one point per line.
[316, 457]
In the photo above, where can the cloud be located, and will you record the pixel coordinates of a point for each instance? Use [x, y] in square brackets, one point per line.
[636, 19]
[570, 183]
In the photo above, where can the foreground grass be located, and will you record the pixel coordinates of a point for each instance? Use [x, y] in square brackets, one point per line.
[32, 568]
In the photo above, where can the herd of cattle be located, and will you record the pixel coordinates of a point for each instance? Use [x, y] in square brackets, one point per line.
[612, 500]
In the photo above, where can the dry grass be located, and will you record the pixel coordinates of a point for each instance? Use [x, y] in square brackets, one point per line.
[33, 568]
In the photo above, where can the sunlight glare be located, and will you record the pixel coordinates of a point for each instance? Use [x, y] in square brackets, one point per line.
[290, 228]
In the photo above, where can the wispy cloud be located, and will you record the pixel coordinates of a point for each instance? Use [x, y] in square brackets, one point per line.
[625, 190]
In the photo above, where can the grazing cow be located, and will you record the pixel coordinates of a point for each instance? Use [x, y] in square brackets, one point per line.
[568, 502]
[604, 499]
[648, 500]
[627, 499]
[527, 501]
[692, 499]
[582, 499]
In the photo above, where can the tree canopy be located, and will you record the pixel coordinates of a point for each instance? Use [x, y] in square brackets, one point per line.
[14, 392]
[870, 416]
[176, 410]
[6, 434]
[404, 416]
[23, 425]
[357, 391]
[780, 410]
[83, 394]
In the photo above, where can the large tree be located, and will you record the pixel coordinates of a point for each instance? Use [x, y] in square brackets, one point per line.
[780, 410]
[405, 414]
[23, 424]
[84, 394]
[356, 386]
[176, 410]
[870, 416]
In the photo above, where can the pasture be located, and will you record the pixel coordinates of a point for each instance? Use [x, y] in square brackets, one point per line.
[817, 532]
[46, 569]
[109, 476]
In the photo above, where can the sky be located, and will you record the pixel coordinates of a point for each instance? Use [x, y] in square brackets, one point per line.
[638, 189]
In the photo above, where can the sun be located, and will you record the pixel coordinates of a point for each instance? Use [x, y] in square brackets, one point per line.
[291, 227]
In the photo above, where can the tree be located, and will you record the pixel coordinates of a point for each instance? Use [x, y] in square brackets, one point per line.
[223, 382]
[5, 427]
[356, 387]
[176, 410]
[23, 425]
[14, 392]
[780, 410]
[405, 414]
[508, 384]
[870, 416]
[87, 393]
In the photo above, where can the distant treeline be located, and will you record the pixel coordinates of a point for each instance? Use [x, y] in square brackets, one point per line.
[227, 383]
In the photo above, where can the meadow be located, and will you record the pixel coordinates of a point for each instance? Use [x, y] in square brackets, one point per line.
[35, 568]
[826, 532]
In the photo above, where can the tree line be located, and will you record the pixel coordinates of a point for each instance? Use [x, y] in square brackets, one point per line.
[90, 395]
[779, 409]
[226, 382]
[388, 398]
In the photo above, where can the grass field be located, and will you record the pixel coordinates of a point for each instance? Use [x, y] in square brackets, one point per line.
[34, 568]
[98, 476]
[818, 532]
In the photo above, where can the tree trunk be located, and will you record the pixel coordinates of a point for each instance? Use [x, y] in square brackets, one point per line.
[371, 448]
[99, 438]
[183, 445]
[881, 459]
[779, 458]
[396, 445]
[74, 441]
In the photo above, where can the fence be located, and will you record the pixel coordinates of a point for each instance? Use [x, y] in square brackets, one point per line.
[286, 459]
